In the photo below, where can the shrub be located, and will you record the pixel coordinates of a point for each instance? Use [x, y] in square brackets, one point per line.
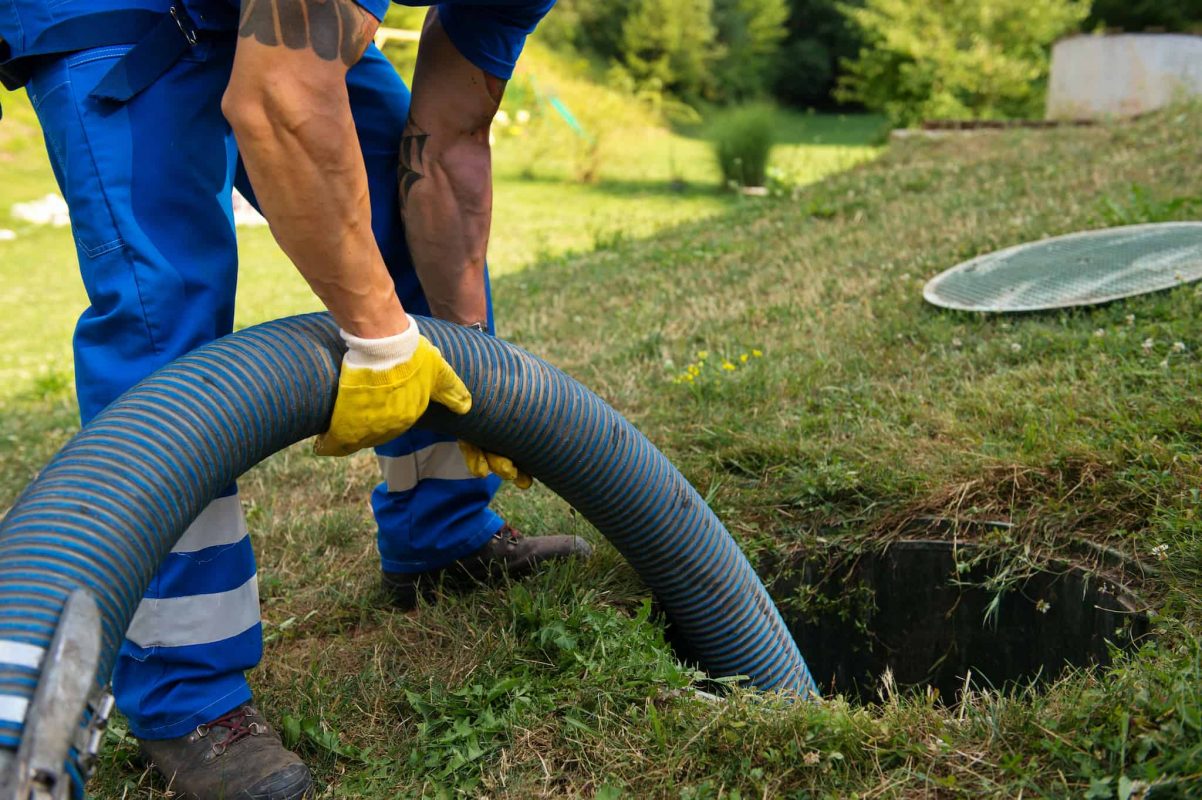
[559, 123]
[742, 139]
[962, 59]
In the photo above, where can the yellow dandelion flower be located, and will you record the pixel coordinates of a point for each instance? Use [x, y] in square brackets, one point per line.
[743, 359]
[729, 367]
[756, 353]
[703, 354]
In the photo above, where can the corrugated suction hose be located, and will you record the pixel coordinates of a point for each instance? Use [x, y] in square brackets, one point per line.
[110, 506]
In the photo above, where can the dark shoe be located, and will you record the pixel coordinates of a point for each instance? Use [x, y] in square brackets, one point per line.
[506, 553]
[235, 757]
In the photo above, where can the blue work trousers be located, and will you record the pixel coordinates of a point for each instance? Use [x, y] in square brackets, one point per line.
[149, 185]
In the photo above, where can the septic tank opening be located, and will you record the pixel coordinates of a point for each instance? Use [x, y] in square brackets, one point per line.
[927, 612]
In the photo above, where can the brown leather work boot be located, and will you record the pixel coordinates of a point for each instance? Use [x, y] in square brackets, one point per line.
[506, 553]
[235, 757]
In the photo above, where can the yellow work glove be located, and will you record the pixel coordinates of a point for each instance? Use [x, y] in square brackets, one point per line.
[385, 386]
[480, 463]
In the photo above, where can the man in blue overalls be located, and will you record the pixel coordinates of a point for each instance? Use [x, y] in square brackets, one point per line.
[153, 111]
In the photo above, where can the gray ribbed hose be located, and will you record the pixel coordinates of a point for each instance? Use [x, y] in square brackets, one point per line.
[111, 505]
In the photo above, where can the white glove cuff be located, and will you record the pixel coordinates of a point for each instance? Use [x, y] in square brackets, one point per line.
[381, 354]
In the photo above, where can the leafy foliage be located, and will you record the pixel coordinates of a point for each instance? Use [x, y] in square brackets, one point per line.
[715, 50]
[594, 29]
[670, 43]
[960, 59]
[750, 33]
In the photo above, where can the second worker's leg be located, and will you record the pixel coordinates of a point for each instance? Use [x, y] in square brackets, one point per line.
[430, 510]
[433, 516]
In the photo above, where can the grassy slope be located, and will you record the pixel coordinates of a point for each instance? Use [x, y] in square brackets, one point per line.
[867, 408]
[534, 219]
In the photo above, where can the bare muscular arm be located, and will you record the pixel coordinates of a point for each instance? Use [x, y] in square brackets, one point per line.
[287, 103]
[446, 175]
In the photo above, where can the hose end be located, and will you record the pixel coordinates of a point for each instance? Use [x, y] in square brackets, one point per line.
[65, 721]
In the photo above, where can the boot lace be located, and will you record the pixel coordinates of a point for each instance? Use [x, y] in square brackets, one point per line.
[508, 534]
[236, 723]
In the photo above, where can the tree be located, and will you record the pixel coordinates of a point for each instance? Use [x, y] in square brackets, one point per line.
[819, 38]
[670, 43]
[750, 33]
[594, 29]
[717, 50]
[961, 59]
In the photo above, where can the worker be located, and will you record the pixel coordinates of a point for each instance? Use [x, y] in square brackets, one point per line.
[153, 111]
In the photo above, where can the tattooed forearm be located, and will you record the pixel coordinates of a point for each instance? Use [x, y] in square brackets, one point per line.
[330, 28]
[413, 146]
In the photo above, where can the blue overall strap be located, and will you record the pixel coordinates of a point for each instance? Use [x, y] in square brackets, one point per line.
[85, 31]
[81, 32]
[154, 54]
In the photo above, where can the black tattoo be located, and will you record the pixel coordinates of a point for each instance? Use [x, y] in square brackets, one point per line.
[413, 145]
[330, 28]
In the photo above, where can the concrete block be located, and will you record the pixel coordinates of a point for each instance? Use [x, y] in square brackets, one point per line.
[1094, 77]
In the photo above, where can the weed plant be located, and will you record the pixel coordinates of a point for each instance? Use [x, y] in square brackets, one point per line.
[742, 139]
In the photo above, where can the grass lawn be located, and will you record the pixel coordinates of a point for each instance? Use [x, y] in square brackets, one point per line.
[867, 409]
[655, 179]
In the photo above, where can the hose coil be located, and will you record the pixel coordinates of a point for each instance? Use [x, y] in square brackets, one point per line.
[110, 506]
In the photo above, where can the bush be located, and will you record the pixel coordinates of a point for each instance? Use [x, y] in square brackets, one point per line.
[559, 123]
[742, 139]
[956, 59]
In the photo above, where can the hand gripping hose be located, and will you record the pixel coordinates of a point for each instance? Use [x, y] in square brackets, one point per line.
[110, 506]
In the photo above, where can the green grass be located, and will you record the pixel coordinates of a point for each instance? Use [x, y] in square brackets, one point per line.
[867, 409]
[652, 179]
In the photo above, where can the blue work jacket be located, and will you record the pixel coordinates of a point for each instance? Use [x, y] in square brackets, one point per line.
[490, 33]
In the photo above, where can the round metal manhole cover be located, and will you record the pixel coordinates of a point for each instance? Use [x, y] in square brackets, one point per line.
[1074, 270]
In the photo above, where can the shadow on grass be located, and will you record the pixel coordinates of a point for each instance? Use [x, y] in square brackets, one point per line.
[794, 128]
[628, 187]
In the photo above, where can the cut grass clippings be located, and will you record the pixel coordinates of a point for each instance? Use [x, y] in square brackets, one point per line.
[867, 409]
